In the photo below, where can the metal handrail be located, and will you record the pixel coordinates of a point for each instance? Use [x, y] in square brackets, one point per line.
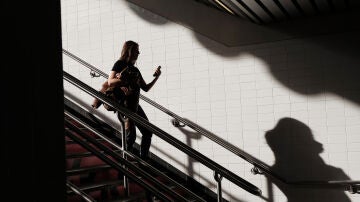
[155, 189]
[165, 136]
[79, 192]
[188, 123]
[144, 163]
[91, 67]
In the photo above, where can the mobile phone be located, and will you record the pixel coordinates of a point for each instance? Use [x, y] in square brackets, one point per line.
[155, 72]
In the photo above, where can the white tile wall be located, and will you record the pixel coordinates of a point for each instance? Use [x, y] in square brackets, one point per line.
[238, 97]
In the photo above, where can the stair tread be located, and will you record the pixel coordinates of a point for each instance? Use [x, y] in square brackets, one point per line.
[70, 141]
[131, 198]
[92, 168]
[98, 185]
[75, 171]
[84, 154]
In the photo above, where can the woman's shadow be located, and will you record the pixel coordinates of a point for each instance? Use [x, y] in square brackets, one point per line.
[297, 159]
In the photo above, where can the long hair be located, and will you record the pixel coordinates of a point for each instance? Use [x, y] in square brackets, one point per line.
[127, 50]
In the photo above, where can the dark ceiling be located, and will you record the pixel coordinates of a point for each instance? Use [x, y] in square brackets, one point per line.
[269, 11]
[255, 21]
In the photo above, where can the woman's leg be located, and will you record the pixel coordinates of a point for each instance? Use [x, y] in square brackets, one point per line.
[130, 132]
[146, 135]
[130, 135]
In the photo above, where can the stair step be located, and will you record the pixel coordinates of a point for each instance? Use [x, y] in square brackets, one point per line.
[100, 140]
[132, 198]
[70, 141]
[77, 171]
[75, 148]
[84, 154]
[85, 169]
[97, 186]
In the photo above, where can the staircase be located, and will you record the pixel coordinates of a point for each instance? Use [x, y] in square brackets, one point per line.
[101, 181]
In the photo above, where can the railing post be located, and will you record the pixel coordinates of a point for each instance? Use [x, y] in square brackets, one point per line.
[93, 74]
[218, 179]
[177, 124]
[123, 145]
[255, 170]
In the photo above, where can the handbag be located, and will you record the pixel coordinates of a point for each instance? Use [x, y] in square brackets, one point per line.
[115, 93]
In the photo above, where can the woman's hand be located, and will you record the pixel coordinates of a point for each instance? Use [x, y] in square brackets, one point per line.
[125, 90]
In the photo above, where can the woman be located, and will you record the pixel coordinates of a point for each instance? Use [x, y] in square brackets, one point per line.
[128, 77]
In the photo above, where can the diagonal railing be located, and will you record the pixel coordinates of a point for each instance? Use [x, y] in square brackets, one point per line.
[219, 171]
[93, 148]
[86, 197]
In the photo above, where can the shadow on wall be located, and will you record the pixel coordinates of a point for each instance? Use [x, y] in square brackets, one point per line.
[237, 151]
[197, 175]
[190, 135]
[149, 17]
[297, 159]
[312, 66]
[323, 59]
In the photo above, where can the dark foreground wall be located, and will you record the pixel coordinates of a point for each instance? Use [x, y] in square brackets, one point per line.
[32, 140]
